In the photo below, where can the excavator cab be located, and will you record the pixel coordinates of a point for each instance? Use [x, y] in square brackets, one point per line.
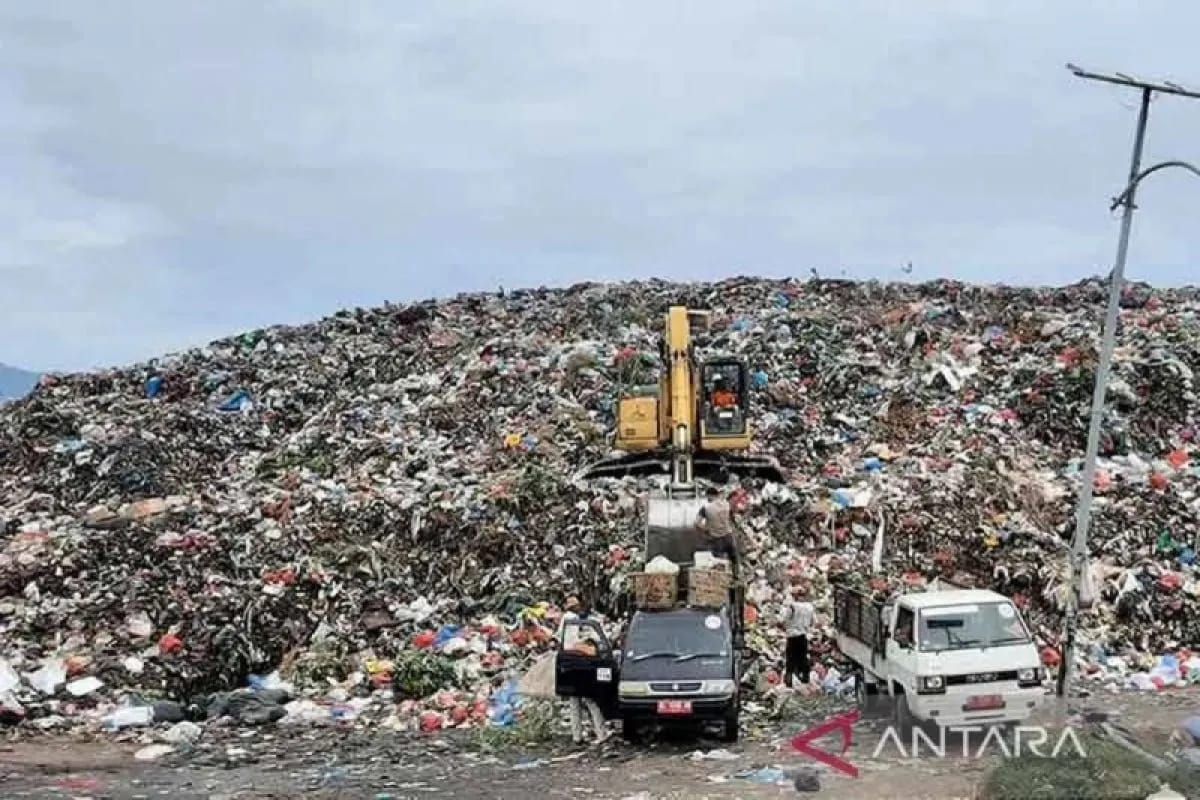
[724, 406]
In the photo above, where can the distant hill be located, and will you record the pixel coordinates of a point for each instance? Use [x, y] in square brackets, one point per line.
[15, 382]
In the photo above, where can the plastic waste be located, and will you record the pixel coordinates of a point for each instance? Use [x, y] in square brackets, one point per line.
[764, 775]
[84, 686]
[661, 565]
[153, 752]
[129, 717]
[49, 677]
[504, 705]
[713, 755]
[9, 680]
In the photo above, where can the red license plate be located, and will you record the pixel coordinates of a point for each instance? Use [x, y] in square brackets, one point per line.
[674, 707]
[984, 702]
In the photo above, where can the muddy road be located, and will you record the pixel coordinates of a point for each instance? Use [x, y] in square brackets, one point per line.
[231, 764]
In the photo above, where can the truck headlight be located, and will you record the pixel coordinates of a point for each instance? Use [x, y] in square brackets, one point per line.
[1030, 676]
[932, 684]
[718, 687]
[633, 689]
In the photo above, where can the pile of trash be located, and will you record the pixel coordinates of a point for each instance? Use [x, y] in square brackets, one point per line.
[384, 503]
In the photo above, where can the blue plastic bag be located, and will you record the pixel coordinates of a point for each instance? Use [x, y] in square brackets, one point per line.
[444, 635]
[154, 386]
[240, 401]
[504, 704]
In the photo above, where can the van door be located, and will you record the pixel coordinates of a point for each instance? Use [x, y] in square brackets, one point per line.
[901, 647]
[586, 665]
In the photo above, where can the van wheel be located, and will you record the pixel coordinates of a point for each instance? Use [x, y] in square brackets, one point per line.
[730, 731]
[903, 715]
[866, 694]
[631, 731]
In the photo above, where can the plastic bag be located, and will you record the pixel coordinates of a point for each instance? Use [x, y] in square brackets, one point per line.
[539, 680]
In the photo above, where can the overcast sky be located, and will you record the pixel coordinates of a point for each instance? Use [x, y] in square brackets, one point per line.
[175, 172]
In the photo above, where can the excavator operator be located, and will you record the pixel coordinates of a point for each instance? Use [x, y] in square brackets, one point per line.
[722, 395]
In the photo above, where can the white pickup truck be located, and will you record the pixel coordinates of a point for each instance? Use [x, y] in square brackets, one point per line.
[952, 658]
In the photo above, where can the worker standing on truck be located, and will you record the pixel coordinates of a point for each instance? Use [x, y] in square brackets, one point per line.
[573, 609]
[716, 520]
[798, 622]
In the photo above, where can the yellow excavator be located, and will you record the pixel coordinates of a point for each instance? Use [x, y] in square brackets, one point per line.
[696, 425]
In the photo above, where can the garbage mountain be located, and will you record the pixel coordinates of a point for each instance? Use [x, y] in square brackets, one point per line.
[307, 497]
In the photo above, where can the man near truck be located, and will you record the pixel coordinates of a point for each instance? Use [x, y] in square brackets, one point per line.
[798, 622]
[573, 609]
[716, 520]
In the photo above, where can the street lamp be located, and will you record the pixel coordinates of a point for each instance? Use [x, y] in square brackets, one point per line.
[1079, 548]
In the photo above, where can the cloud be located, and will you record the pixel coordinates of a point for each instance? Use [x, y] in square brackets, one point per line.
[184, 171]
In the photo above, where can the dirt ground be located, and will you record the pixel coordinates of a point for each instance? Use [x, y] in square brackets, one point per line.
[229, 764]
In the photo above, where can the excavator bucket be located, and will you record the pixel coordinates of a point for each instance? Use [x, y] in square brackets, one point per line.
[671, 529]
[713, 467]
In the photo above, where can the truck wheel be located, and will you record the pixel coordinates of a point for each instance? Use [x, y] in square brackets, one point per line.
[631, 731]
[730, 731]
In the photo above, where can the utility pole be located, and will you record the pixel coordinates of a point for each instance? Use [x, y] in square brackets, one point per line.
[1079, 543]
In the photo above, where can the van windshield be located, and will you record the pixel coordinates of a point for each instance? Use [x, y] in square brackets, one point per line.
[973, 625]
[678, 635]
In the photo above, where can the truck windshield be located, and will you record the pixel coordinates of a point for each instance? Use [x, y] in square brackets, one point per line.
[677, 635]
[974, 625]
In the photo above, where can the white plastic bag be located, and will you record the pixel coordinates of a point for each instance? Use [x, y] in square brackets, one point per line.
[661, 565]
[539, 681]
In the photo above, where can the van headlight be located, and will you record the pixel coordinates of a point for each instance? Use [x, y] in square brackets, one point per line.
[633, 689]
[932, 684]
[725, 687]
[1030, 676]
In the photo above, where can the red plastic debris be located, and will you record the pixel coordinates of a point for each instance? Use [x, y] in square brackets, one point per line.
[1159, 482]
[1051, 657]
[280, 577]
[616, 556]
[1178, 458]
[739, 501]
[459, 714]
[624, 355]
[424, 640]
[430, 721]
[1103, 481]
[1170, 582]
[750, 614]
[170, 644]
